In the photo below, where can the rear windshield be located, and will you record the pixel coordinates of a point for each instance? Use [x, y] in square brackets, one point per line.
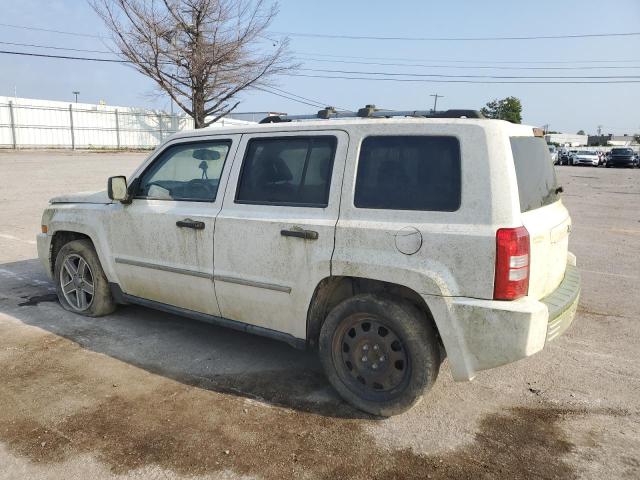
[537, 182]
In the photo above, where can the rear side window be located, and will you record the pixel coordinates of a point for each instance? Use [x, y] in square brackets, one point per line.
[293, 171]
[537, 182]
[409, 173]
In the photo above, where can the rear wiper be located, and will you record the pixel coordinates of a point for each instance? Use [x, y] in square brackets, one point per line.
[559, 190]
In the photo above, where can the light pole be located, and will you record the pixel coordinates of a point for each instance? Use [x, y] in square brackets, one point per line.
[435, 100]
[76, 93]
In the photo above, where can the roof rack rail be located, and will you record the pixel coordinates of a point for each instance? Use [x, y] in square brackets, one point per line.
[370, 111]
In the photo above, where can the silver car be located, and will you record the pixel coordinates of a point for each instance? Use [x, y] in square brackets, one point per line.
[585, 157]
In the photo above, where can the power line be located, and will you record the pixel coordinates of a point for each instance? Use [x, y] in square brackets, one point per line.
[76, 34]
[324, 104]
[51, 47]
[467, 61]
[484, 82]
[500, 67]
[391, 74]
[502, 77]
[288, 97]
[357, 62]
[64, 57]
[371, 37]
[315, 104]
[456, 39]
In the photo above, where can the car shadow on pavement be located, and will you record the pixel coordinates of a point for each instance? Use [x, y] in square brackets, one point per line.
[191, 352]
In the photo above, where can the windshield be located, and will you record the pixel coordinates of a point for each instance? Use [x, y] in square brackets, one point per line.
[537, 183]
[585, 152]
[622, 151]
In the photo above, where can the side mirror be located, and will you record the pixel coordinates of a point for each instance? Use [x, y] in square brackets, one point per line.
[117, 188]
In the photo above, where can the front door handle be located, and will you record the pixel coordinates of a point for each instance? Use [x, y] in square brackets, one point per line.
[188, 223]
[304, 234]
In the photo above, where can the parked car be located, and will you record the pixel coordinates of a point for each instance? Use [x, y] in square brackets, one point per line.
[553, 152]
[622, 157]
[564, 157]
[572, 154]
[585, 157]
[386, 244]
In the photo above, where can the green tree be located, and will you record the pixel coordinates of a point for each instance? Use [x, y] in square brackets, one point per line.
[509, 109]
[580, 132]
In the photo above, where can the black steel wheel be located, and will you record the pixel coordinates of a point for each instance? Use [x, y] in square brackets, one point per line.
[369, 355]
[380, 353]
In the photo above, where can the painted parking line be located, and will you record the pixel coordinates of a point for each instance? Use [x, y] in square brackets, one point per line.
[11, 237]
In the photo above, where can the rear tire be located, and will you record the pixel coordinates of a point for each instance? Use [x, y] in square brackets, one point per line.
[81, 284]
[381, 354]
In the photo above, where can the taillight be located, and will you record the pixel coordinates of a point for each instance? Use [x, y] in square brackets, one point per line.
[512, 263]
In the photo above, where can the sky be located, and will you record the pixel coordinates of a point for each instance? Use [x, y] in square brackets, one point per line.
[565, 108]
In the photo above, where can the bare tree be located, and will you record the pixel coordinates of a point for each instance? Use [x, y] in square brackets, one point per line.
[200, 52]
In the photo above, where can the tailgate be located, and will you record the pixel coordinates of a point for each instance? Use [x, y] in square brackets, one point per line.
[549, 228]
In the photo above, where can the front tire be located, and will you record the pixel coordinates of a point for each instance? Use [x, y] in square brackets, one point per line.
[381, 354]
[81, 284]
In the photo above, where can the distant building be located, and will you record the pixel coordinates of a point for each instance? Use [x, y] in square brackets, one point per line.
[613, 140]
[567, 139]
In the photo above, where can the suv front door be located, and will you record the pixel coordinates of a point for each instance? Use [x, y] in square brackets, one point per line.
[275, 233]
[162, 243]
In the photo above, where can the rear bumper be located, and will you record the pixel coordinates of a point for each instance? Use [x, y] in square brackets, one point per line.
[496, 333]
[562, 303]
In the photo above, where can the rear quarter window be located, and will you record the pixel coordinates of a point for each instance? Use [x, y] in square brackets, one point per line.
[409, 173]
[537, 182]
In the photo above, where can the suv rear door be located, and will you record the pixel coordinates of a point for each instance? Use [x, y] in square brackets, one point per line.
[274, 236]
[543, 214]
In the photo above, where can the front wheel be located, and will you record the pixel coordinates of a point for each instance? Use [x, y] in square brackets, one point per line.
[380, 354]
[80, 281]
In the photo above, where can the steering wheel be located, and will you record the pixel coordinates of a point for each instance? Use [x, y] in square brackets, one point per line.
[199, 186]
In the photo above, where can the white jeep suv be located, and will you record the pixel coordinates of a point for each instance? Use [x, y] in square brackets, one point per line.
[385, 240]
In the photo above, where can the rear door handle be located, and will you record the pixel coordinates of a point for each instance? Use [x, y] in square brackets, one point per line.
[304, 234]
[188, 223]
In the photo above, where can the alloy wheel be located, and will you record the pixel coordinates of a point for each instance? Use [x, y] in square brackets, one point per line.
[76, 282]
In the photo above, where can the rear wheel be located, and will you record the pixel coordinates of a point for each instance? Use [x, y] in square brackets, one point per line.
[80, 281]
[380, 354]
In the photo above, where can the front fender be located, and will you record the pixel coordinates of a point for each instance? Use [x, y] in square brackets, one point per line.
[87, 220]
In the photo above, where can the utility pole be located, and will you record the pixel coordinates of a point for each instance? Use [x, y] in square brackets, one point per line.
[435, 100]
[76, 93]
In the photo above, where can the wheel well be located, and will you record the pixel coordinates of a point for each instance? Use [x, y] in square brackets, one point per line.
[333, 290]
[60, 239]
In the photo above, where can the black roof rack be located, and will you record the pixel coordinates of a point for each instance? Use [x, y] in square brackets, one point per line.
[370, 111]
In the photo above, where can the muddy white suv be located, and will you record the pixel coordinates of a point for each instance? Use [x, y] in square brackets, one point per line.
[387, 241]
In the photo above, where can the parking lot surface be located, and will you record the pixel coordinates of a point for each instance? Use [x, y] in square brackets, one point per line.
[145, 394]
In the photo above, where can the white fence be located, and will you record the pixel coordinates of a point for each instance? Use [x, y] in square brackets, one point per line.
[30, 123]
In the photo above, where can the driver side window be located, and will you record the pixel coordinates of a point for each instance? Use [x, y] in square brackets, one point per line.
[187, 172]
